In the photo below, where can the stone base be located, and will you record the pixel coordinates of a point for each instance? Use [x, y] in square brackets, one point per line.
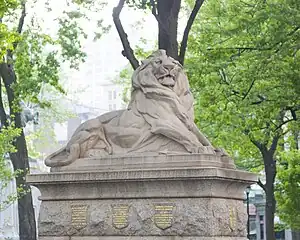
[140, 238]
[176, 204]
[151, 161]
[144, 217]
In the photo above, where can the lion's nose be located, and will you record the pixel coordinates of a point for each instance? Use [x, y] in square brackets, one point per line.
[168, 67]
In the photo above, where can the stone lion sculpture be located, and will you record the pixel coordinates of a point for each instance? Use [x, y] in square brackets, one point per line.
[159, 119]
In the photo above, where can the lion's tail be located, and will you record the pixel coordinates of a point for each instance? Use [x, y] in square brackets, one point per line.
[58, 158]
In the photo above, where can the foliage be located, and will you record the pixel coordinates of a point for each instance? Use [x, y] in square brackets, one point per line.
[245, 68]
[279, 227]
[288, 189]
[139, 4]
[124, 80]
[6, 37]
[7, 135]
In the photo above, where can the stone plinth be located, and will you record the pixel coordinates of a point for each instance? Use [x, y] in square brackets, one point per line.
[189, 200]
[150, 161]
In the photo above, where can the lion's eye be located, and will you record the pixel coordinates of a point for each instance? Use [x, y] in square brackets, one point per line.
[158, 61]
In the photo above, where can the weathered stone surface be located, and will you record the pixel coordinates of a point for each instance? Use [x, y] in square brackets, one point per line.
[207, 203]
[191, 217]
[140, 238]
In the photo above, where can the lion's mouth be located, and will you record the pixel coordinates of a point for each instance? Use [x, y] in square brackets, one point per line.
[167, 80]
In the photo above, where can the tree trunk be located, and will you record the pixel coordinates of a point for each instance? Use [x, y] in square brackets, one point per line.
[168, 11]
[270, 171]
[295, 235]
[27, 225]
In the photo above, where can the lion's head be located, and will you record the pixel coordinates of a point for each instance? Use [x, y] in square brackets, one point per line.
[162, 75]
[164, 68]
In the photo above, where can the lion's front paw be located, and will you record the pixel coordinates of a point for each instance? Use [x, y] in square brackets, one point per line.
[210, 150]
[197, 149]
[202, 149]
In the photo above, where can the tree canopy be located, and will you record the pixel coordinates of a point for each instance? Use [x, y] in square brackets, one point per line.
[243, 64]
[288, 189]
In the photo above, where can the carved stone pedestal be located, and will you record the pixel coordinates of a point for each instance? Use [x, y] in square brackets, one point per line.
[190, 200]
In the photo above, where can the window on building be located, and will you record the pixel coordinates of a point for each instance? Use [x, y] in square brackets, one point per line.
[115, 94]
[109, 95]
[262, 233]
[110, 107]
[114, 107]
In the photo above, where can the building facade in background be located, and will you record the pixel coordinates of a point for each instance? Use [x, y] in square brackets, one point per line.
[257, 202]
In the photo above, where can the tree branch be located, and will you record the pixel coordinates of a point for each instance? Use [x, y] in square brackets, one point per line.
[293, 111]
[155, 14]
[240, 48]
[274, 144]
[21, 22]
[284, 122]
[259, 182]
[261, 146]
[249, 89]
[22, 18]
[9, 77]
[259, 48]
[3, 117]
[257, 143]
[154, 10]
[127, 52]
[187, 29]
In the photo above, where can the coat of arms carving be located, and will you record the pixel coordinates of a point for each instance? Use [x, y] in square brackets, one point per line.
[163, 216]
[120, 216]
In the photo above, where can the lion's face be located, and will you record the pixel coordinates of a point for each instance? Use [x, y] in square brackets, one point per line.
[164, 68]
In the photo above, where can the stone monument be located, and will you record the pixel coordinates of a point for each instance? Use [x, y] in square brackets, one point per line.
[146, 172]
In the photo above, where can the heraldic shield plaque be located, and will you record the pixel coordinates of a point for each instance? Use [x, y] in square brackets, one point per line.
[79, 216]
[163, 216]
[120, 216]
